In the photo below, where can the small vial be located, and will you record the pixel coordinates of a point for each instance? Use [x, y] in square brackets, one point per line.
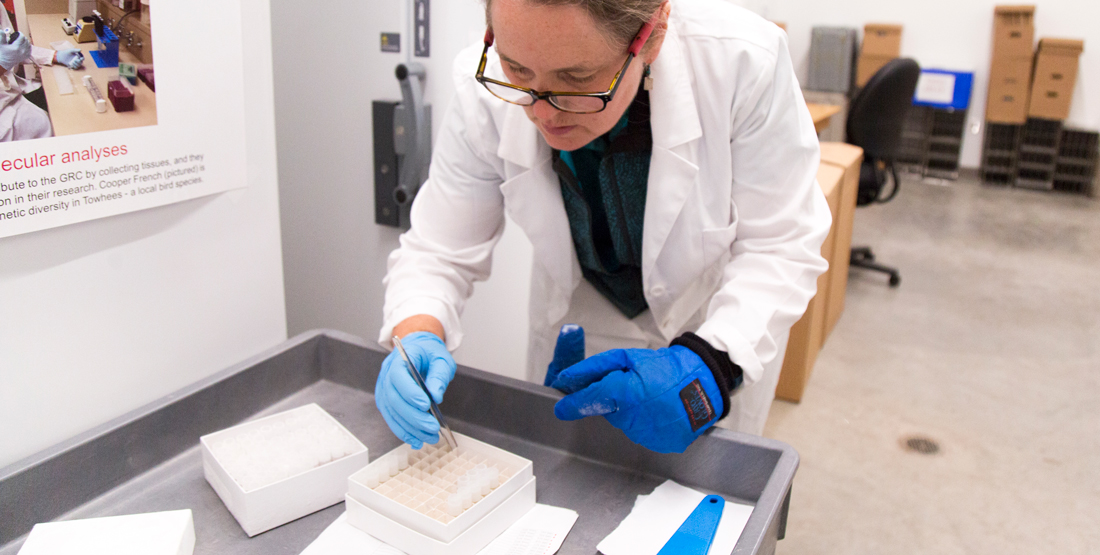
[454, 505]
[372, 479]
[494, 477]
[391, 466]
[467, 499]
[483, 483]
[402, 459]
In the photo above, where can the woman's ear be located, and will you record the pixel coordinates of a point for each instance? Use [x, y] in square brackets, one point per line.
[651, 50]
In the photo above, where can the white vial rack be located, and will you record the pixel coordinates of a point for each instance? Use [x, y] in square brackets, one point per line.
[281, 467]
[437, 482]
[437, 495]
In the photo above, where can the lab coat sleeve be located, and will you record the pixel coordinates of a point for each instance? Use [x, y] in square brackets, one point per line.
[782, 221]
[457, 219]
[42, 56]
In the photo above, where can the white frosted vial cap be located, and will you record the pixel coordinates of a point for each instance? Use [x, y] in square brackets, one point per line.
[372, 479]
[402, 460]
[454, 505]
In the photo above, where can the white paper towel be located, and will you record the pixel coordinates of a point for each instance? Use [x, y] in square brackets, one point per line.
[540, 532]
[657, 516]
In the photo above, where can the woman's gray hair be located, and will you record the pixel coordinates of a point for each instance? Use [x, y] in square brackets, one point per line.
[620, 19]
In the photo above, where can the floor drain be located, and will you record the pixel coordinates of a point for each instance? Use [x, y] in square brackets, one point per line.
[922, 445]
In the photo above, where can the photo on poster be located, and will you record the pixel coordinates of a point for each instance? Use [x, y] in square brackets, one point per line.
[67, 156]
[87, 66]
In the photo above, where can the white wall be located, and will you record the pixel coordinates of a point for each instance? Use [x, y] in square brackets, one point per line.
[951, 34]
[334, 253]
[99, 318]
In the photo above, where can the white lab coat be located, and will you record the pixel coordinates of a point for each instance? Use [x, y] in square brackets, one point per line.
[20, 119]
[734, 219]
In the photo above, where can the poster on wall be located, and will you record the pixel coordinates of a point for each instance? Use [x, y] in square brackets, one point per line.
[114, 106]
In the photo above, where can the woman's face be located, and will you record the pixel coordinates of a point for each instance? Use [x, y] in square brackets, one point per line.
[560, 48]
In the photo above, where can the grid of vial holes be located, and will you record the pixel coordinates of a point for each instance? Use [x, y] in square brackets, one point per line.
[261, 453]
[436, 481]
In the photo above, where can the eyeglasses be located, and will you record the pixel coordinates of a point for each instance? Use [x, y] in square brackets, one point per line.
[572, 102]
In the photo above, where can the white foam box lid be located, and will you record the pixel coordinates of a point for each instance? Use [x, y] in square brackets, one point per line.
[260, 509]
[469, 542]
[430, 527]
[163, 533]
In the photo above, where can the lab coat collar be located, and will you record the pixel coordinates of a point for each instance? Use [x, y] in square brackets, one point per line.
[520, 141]
[674, 117]
[675, 123]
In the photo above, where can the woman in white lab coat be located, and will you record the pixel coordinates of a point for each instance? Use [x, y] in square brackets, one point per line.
[683, 211]
[20, 119]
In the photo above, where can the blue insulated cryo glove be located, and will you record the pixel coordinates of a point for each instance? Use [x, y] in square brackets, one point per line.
[662, 399]
[568, 351]
[15, 53]
[71, 57]
[402, 403]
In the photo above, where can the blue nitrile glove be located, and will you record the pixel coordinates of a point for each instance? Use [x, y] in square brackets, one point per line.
[662, 399]
[568, 351]
[402, 403]
[71, 57]
[13, 54]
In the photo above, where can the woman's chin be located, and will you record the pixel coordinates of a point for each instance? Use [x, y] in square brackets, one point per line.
[570, 140]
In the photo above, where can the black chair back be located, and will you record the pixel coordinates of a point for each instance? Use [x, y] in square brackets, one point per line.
[877, 113]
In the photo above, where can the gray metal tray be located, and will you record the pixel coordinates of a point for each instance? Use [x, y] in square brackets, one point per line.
[149, 460]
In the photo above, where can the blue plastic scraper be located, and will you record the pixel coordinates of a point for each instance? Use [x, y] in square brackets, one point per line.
[697, 532]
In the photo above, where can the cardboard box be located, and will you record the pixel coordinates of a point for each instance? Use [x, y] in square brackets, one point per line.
[1009, 87]
[259, 504]
[848, 158]
[881, 39]
[868, 65]
[1013, 31]
[1054, 78]
[807, 335]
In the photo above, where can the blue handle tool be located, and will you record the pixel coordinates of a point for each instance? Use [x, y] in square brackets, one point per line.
[697, 532]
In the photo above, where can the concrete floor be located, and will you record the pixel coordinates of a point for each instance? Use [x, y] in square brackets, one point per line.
[991, 348]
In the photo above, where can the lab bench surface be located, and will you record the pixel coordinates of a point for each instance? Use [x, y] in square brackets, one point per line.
[149, 460]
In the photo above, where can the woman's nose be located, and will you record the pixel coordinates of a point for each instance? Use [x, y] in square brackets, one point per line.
[543, 110]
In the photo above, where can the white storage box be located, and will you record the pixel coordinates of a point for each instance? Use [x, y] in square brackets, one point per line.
[81, 8]
[469, 542]
[282, 467]
[419, 502]
[165, 533]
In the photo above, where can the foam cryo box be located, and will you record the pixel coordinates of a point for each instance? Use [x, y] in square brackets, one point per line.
[281, 467]
[164, 533]
[409, 511]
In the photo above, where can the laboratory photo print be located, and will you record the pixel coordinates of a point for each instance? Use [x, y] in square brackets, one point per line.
[75, 66]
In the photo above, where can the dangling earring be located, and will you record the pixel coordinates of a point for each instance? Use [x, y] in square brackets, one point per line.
[647, 79]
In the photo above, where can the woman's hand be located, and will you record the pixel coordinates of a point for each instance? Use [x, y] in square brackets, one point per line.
[403, 405]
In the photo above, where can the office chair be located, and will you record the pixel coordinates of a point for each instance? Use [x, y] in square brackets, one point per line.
[875, 120]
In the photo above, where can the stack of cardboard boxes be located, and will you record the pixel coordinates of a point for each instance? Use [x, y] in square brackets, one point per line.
[1010, 71]
[1029, 96]
[1054, 78]
[881, 43]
